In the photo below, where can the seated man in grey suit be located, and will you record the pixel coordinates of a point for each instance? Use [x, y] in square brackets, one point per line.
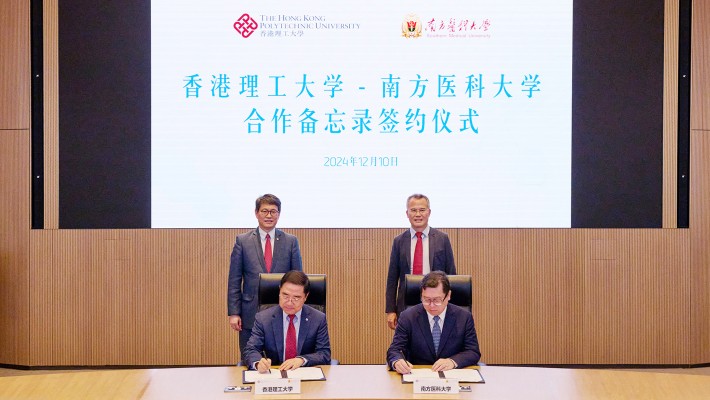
[263, 250]
[292, 334]
[418, 250]
[434, 332]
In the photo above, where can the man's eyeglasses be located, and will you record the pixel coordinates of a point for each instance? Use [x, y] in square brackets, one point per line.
[415, 211]
[437, 301]
[266, 212]
[291, 299]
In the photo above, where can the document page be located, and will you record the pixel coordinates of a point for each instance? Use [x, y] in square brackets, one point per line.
[307, 374]
[464, 375]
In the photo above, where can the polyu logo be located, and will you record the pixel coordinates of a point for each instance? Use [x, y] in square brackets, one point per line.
[245, 25]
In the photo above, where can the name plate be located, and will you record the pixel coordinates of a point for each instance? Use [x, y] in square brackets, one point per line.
[436, 385]
[278, 386]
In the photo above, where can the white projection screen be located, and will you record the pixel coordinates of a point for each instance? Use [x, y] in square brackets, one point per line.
[343, 109]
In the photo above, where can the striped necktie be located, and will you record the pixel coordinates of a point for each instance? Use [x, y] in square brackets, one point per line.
[436, 334]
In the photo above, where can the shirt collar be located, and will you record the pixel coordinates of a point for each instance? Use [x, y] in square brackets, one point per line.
[262, 234]
[441, 317]
[425, 232]
[295, 320]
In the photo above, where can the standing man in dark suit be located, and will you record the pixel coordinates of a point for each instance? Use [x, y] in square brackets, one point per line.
[418, 251]
[263, 250]
[434, 332]
[292, 334]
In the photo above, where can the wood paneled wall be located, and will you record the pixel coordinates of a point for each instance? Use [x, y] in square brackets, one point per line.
[541, 296]
[14, 181]
[700, 67]
[14, 245]
[670, 114]
[157, 297]
[51, 113]
[700, 183]
[15, 64]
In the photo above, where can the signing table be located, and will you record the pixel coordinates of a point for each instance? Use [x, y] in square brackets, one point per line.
[356, 382]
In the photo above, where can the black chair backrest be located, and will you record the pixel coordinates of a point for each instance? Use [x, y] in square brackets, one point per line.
[461, 291]
[269, 291]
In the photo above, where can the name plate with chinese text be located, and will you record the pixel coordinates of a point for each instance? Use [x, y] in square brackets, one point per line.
[436, 386]
[278, 386]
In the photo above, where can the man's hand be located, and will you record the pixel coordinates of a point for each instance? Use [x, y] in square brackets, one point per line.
[402, 366]
[235, 322]
[263, 365]
[392, 320]
[291, 363]
[443, 364]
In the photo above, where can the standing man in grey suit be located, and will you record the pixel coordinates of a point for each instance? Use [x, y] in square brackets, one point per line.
[419, 250]
[263, 250]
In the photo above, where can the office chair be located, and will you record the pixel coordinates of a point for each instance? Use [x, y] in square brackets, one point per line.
[461, 291]
[269, 291]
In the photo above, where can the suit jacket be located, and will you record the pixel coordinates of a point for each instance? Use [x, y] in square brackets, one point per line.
[268, 335]
[413, 341]
[247, 262]
[441, 258]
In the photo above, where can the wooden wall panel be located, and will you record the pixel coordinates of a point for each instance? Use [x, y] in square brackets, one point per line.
[158, 297]
[700, 67]
[670, 115]
[60, 297]
[526, 287]
[14, 64]
[183, 310]
[549, 296]
[700, 182]
[700, 228]
[636, 295]
[51, 114]
[130, 297]
[14, 242]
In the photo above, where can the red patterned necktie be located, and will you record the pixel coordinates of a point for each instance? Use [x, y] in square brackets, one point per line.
[418, 263]
[290, 339]
[267, 253]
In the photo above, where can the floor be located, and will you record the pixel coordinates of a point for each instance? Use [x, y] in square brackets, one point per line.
[690, 371]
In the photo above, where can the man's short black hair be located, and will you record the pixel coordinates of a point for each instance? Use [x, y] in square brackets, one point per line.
[268, 199]
[432, 280]
[297, 278]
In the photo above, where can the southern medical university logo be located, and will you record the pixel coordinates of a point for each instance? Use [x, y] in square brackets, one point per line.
[411, 26]
[245, 25]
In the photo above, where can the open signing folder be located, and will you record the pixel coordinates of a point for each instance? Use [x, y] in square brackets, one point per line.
[303, 373]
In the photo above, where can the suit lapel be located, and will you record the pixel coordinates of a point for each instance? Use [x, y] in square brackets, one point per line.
[448, 328]
[256, 240]
[303, 328]
[278, 330]
[407, 246]
[278, 236]
[423, 322]
[432, 247]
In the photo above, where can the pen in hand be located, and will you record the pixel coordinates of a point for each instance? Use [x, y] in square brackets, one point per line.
[404, 367]
[264, 365]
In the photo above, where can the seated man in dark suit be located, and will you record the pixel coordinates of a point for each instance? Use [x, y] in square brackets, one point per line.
[434, 332]
[292, 334]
